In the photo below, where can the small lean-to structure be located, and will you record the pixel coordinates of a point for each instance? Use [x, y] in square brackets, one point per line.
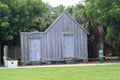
[65, 38]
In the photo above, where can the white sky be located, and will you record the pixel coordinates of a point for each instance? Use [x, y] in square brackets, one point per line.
[55, 3]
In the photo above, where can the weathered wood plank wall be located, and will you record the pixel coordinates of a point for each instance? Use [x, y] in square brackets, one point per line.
[52, 39]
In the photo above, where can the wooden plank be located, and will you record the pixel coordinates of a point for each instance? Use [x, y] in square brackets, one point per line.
[23, 48]
[56, 40]
[53, 40]
[43, 48]
[60, 30]
[27, 48]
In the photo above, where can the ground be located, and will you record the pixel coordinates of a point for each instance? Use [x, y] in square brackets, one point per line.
[105, 71]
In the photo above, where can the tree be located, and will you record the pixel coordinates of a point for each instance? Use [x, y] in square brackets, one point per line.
[82, 15]
[17, 16]
[4, 24]
[51, 14]
[47, 19]
[106, 12]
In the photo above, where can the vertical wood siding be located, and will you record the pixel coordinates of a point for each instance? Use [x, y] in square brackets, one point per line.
[14, 52]
[52, 46]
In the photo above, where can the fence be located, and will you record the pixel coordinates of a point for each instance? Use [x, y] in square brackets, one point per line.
[14, 52]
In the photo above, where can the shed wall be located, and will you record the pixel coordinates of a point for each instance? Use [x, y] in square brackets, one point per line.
[52, 40]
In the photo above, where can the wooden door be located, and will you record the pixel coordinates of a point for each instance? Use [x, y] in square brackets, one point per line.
[68, 46]
[35, 50]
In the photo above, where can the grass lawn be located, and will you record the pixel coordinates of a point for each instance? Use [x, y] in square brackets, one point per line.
[104, 72]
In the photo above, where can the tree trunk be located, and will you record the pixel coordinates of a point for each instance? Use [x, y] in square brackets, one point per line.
[1, 53]
[99, 37]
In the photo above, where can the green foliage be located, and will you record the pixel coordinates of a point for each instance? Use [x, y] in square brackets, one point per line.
[19, 15]
[4, 20]
[78, 12]
[59, 9]
[51, 14]
[106, 12]
[113, 37]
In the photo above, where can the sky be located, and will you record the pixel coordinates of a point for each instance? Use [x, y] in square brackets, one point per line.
[55, 3]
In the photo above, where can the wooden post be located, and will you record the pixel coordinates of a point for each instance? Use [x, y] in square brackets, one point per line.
[5, 53]
[5, 50]
[5, 56]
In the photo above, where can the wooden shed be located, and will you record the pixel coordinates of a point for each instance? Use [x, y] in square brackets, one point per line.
[65, 38]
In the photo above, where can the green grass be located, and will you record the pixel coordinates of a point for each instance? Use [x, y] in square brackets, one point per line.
[106, 72]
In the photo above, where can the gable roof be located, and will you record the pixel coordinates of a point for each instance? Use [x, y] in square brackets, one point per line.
[70, 18]
[56, 21]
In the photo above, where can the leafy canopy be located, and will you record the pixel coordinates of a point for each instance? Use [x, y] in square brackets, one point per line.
[17, 16]
[108, 13]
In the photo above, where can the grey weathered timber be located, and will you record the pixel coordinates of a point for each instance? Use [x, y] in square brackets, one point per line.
[63, 39]
[14, 52]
